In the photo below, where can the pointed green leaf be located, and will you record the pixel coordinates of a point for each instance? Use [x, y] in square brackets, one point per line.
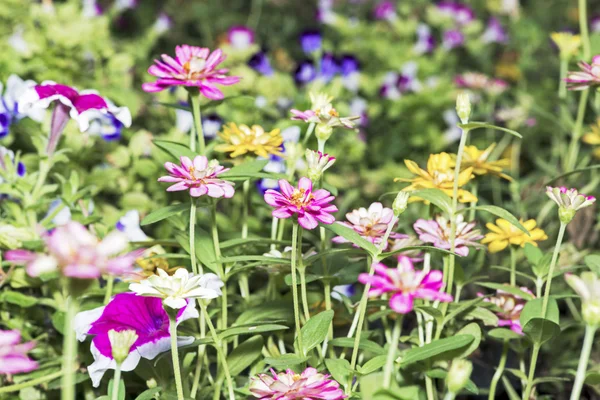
[435, 196]
[499, 212]
[164, 213]
[353, 237]
[315, 330]
[245, 354]
[476, 125]
[507, 288]
[174, 149]
[436, 348]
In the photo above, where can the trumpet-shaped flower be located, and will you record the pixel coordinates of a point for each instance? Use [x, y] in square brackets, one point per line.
[371, 223]
[13, 355]
[588, 76]
[144, 316]
[567, 43]
[439, 175]
[510, 306]
[288, 385]
[504, 233]
[192, 67]
[77, 253]
[310, 207]
[587, 286]
[242, 139]
[405, 285]
[176, 289]
[438, 233]
[478, 160]
[199, 176]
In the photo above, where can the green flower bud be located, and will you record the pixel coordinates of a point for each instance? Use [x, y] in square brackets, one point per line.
[458, 375]
[400, 203]
[463, 107]
[566, 214]
[121, 343]
[590, 311]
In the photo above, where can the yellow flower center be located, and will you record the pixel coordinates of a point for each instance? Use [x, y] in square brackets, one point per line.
[298, 200]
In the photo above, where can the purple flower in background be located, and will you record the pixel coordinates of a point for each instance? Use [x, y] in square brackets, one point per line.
[122, 5]
[311, 41]
[162, 24]
[329, 67]
[350, 71]
[395, 84]
[211, 125]
[261, 64]
[240, 37]
[8, 156]
[9, 106]
[385, 10]
[13, 356]
[325, 13]
[91, 8]
[595, 24]
[107, 126]
[452, 39]
[494, 33]
[305, 72]
[127, 311]
[425, 41]
[129, 224]
[460, 13]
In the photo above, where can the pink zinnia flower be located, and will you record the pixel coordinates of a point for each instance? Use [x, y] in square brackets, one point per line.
[510, 306]
[569, 199]
[437, 232]
[587, 77]
[13, 356]
[289, 385]
[200, 177]
[405, 284]
[370, 223]
[311, 207]
[76, 253]
[192, 67]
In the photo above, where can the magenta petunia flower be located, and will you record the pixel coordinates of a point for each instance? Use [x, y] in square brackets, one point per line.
[13, 356]
[405, 284]
[240, 37]
[587, 77]
[77, 253]
[311, 207]
[437, 232]
[370, 223]
[192, 67]
[289, 385]
[510, 306]
[385, 10]
[199, 176]
[127, 311]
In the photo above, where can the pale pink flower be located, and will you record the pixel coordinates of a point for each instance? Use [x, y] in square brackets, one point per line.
[405, 285]
[199, 176]
[510, 306]
[370, 223]
[587, 77]
[438, 231]
[404, 241]
[288, 385]
[192, 67]
[13, 356]
[569, 199]
[310, 207]
[77, 253]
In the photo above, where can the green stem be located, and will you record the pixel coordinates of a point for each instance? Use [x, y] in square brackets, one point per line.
[219, 347]
[499, 371]
[295, 284]
[577, 130]
[217, 247]
[449, 396]
[302, 272]
[110, 282]
[309, 131]
[200, 356]
[196, 113]
[429, 388]
[244, 285]
[530, 376]
[588, 341]
[41, 179]
[583, 28]
[175, 354]
[562, 84]
[69, 351]
[255, 14]
[33, 382]
[513, 266]
[559, 239]
[193, 259]
[391, 356]
[116, 383]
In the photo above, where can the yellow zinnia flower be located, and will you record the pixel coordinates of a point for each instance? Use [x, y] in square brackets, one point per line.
[504, 233]
[439, 175]
[593, 137]
[567, 43]
[244, 139]
[478, 160]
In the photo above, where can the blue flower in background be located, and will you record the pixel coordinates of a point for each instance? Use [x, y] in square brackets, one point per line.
[9, 107]
[305, 72]
[129, 224]
[106, 126]
[260, 63]
[329, 67]
[311, 41]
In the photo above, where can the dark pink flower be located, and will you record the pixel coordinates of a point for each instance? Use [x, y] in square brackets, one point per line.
[128, 311]
[288, 385]
[311, 207]
[13, 356]
[370, 223]
[199, 176]
[385, 10]
[587, 77]
[405, 284]
[192, 67]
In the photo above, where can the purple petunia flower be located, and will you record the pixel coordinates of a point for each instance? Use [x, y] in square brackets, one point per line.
[425, 41]
[329, 67]
[13, 356]
[311, 41]
[494, 33]
[240, 37]
[452, 39]
[9, 106]
[385, 10]
[460, 13]
[261, 64]
[127, 311]
[7, 155]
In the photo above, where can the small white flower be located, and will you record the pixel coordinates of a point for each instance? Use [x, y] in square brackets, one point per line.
[318, 163]
[177, 288]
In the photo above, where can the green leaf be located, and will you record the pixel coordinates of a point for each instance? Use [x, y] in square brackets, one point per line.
[504, 334]
[18, 299]
[540, 329]
[473, 330]
[238, 242]
[205, 250]
[149, 394]
[518, 373]
[353, 237]
[245, 170]
[251, 329]
[499, 212]
[339, 368]
[482, 314]
[432, 312]
[315, 330]
[175, 149]
[364, 344]
[434, 349]
[533, 253]
[424, 248]
[245, 354]
[285, 361]
[476, 125]
[593, 262]
[592, 378]
[457, 308]
[435, 196]
[121, 395]
[273, 311]
[372, 365]
[507, 288]
[575, 171]
[164, 213]
[264, 259]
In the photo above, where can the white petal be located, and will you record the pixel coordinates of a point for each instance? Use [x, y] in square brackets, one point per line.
[83, 321]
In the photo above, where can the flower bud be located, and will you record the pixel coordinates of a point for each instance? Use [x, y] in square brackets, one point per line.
[458, 375]
[323, 132]
[590, 311]
[121, 343]
[317, 163]
[463, 107]
[400, 203]
[565, 215]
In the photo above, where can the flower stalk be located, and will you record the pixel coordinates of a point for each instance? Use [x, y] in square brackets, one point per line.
[295, 282]
[588, 342]
[499, 371]
[116, 383]
[69, 351]
[174, 353]
[391, 355]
